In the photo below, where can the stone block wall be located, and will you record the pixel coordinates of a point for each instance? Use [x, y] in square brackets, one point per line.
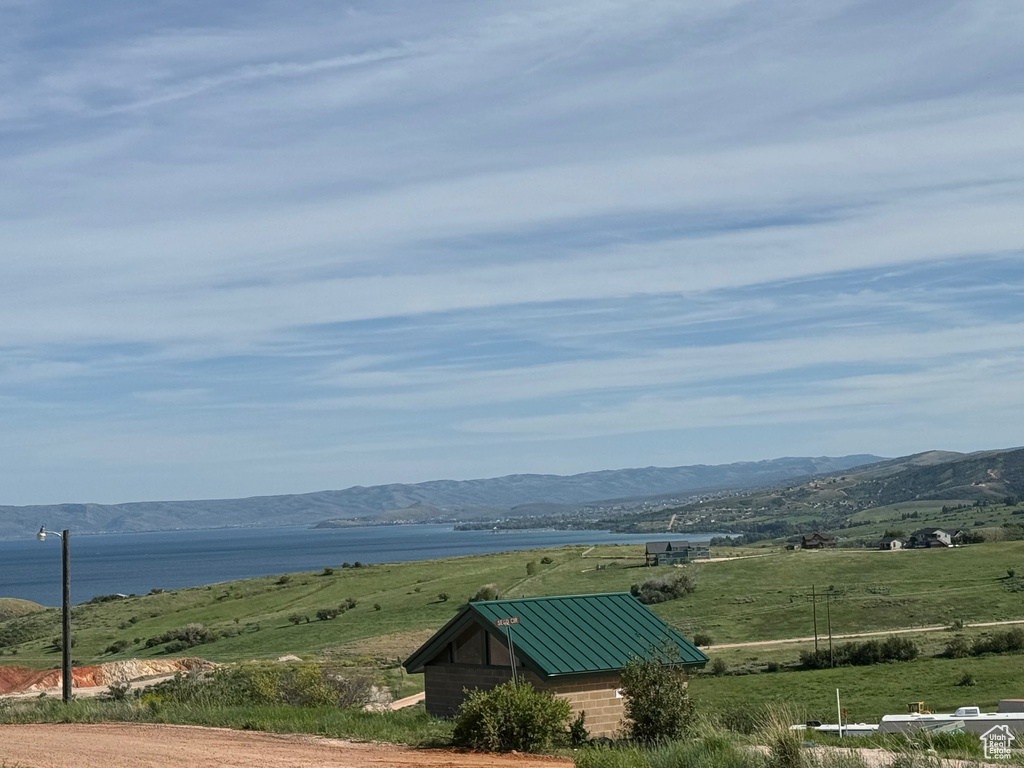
[444, 684]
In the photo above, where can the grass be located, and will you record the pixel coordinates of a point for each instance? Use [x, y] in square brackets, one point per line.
[867, 692]
[409, 726]
[750, 599]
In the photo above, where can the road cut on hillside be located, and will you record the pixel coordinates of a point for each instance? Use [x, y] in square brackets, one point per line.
[166, 746]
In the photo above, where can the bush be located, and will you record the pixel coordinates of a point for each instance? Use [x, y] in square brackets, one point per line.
[486, 592]
[578, 735]
[326, 614]
[546, 560]
[718, 666]
[183, 638]
[893, 648]
[117, 646]
[967, 680]
[957, 648]
[327, 572]
[663, 588]
[295, 618]
[284, 579]
[657, 707]
[531, 568]
[509, 717]
[702, 638]
[305, 685]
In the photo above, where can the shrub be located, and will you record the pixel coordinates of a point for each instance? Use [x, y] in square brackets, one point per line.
[966, 679]
[531, 568]
[957, 648]
[546, 560]
[117, 692]
[182, 638]
[117, 646]
[578, 735]
[284, 579]
[295, 618]
[306, 685]
[376, 606]
[663, 588]
[657, 707]
[509, 717]
[327, 572]
[350, 603]
[893, 648]
[326, 614]
[702, 638]
[486, 592]
[718, 666]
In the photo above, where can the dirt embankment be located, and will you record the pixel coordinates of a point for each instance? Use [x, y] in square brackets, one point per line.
[157, 746]
[19, 679]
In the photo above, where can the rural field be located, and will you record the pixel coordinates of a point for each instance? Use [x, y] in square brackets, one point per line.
[761, 595]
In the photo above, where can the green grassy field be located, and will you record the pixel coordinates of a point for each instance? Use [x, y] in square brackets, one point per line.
[754, 598]
[868, 692]
[762, 596]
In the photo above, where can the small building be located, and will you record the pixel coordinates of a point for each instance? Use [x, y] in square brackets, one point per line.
[817, 541]
[927, 538]
[675, 552]
[891, 543]
[574, 646]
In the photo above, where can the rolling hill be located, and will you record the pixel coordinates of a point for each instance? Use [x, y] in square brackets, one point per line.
[435, 500]
[862, 495]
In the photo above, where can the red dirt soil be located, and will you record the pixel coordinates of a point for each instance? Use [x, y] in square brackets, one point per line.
[14, 679]
[162, 746]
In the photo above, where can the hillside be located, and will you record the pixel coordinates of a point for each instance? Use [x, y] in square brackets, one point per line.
[937, 486]
[435, 500]
[12, 607]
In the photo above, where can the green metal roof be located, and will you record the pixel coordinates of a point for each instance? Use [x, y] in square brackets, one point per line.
[572, 634]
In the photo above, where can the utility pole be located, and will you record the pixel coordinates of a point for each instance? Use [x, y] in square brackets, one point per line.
[814, 614]
[828, 613]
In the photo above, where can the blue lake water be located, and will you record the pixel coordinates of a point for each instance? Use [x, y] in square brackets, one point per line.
[138, 562]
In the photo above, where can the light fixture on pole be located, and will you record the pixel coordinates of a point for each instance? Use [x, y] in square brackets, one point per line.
[66, 608]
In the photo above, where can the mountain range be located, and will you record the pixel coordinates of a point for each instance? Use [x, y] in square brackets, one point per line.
[512, 495]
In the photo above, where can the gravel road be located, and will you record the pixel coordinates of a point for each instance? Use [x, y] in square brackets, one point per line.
[163, 746]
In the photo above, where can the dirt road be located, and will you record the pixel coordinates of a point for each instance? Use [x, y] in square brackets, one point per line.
[810, 638]
[164, 746]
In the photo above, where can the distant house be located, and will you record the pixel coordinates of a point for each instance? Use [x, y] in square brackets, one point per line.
[817, 541]
[927, 538]
[891, 543]
[574, 646]
[674, 552]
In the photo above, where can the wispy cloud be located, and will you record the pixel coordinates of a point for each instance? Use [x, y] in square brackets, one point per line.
[396, 242]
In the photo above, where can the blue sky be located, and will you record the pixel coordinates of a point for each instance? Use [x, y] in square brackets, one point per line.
[254, 248]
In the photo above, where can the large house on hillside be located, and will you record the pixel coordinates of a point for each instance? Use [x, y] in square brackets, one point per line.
[574, 646]
[674, 552]
[817, 541]
[927, 538]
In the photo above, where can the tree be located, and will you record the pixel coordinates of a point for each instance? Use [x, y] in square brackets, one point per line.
[657, 707]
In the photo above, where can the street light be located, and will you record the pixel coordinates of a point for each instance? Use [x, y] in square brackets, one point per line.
[66, 606]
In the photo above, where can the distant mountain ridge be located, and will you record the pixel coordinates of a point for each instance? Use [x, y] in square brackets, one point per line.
[437, 499]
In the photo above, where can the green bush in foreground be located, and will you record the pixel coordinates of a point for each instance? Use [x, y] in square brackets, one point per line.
[657, 707]
[509, 717]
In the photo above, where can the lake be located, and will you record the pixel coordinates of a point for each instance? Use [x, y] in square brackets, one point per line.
[138, 562]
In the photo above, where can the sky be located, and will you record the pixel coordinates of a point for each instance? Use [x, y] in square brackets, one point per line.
[268, 247]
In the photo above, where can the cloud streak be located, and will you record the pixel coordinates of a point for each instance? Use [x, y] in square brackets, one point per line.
[394, 242]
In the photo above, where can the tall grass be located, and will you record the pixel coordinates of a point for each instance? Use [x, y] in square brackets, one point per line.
[411, 726]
